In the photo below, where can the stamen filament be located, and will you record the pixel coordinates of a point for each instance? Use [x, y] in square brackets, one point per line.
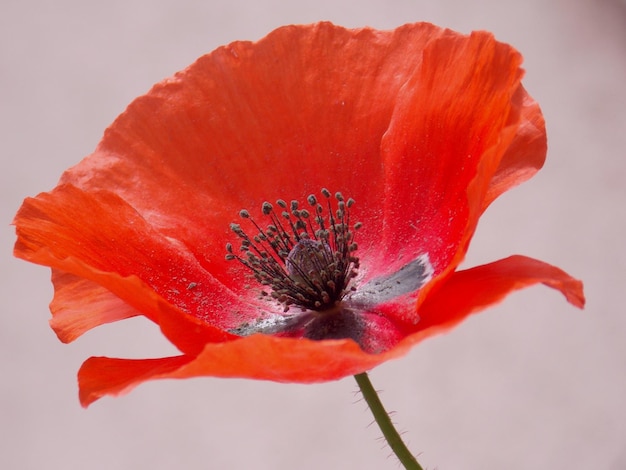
[303, 265]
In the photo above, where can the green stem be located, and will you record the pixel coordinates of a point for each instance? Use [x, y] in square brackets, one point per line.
[384, 423]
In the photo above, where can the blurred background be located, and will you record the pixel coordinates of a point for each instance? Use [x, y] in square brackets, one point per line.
[532, 383]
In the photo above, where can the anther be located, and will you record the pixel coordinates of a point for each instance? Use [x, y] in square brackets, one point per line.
[307, 261]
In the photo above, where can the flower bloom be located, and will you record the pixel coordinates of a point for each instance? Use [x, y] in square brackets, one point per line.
[184, 212]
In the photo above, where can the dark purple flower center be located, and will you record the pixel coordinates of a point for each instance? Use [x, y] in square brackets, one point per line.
[305, 258]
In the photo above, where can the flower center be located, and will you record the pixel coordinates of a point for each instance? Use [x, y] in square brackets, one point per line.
[305, 258]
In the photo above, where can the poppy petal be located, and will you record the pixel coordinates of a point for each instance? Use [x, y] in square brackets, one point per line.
[526, 154]
[454, 114]
[258, 357]
[80, 305]
[131, 260]
[471, 290]
[101, 376]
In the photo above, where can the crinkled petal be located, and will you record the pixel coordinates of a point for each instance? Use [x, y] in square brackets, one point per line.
[472, 290]
[79, 233]
[451, 134]
[101, 376]
[80, 305]
[455, 118]
[256, 357]
[526, 154]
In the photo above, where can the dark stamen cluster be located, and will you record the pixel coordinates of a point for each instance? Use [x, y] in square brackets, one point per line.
[306, 257]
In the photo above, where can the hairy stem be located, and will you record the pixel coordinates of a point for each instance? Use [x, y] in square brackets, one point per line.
[384, 423]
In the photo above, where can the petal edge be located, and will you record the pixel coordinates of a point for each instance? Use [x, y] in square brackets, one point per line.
[471, 290]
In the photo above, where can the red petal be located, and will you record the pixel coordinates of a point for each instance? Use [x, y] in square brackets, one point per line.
[257, 357]
[472, 290]
[79, 233]
[80, 305]
[456, 115]
[527, 152]
[100, 375]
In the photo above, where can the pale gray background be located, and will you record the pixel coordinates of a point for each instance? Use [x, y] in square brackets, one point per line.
[532, 383]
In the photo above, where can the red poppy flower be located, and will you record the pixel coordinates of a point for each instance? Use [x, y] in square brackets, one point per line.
[417, 129]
